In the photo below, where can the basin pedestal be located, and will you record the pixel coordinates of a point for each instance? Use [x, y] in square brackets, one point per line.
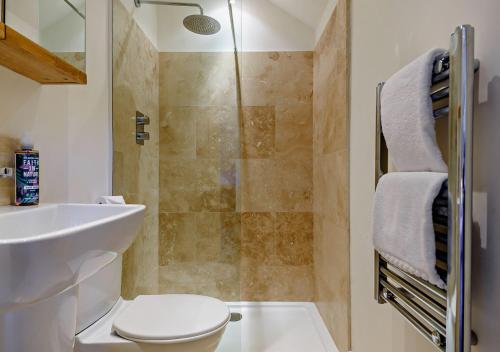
[45, 326]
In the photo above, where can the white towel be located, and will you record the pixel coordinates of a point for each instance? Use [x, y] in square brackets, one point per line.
[403, 230]
[111, 200]
[407, 117]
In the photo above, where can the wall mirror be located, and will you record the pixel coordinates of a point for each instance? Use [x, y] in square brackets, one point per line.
[56, 25]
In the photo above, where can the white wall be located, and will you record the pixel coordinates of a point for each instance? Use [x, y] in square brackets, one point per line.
[70, 125]
[22, 15]
[387, 34]
[266, 27]
[260, 24]
[61, 29]
[146, 18]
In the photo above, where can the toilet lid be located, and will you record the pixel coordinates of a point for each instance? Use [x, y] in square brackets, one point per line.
[171, 317]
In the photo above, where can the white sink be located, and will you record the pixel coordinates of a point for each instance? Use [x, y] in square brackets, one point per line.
[47, 249]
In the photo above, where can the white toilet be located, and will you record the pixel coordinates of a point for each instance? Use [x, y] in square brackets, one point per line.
[156, 323]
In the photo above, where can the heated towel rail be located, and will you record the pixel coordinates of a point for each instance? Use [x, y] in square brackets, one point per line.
[442, 316]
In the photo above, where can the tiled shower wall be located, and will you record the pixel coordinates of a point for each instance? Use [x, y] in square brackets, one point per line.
[8, 147]
[331, 170]
[135, 168]
[228, 178]
[236, 177]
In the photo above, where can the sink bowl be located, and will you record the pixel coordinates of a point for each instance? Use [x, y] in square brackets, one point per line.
[48, 249]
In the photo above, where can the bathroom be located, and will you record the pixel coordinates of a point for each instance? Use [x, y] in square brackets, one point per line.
[254, 148]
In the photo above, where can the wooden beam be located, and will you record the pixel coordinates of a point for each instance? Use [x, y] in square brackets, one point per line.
[29, 59]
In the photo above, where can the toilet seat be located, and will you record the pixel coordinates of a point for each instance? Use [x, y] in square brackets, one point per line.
[171, 318]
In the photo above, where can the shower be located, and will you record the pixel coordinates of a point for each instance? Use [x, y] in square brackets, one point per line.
[199, 24]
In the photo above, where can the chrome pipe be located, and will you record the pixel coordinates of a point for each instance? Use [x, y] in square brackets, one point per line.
[417, 311]
[380, 146]
[461, 116]
[429, 335]
[430, 290]
[377, 287]
[438, 310]
[138, 3]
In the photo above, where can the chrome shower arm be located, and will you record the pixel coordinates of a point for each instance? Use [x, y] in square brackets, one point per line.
[170, 3]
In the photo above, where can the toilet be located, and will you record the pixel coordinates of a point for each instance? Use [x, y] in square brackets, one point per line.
[149, 323]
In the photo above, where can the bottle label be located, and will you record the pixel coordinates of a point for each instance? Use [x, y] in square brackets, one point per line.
[27, 176]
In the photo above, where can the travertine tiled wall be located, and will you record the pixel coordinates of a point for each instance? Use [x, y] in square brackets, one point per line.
[331, 170]
[228, 182]
[236, 180]
[135, 168]
[8, 146]
[276, 176]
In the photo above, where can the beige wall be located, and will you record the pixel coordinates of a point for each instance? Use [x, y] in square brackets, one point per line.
[331, 176]
[236, 181]
[386, 35]
[70, 125]
[135, 167]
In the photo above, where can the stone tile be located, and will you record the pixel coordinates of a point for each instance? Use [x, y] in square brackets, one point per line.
[276, 78]
[218, 237]
[178, 192]
[293, 184]
[8, 146]
[218, 132]
[293, 78]
[331, 198]
[276, 185]
[257, 84]
[331, 167]
[136, 176]
[294, 238]
[208, 242]
[258, 185]
[330, 107]
[276, 283]
[258, 237]
[198, 79]
[197, 185]
[213, 279]
[77, 59]
[258, 132]
[215, 185]
[140, 267]
[231, 233]
[178, 238]
[294, 130]
[178, 132]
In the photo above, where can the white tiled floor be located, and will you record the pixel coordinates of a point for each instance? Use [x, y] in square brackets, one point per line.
[277, 327]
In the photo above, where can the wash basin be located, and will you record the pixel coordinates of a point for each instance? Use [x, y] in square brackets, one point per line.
[47, 249]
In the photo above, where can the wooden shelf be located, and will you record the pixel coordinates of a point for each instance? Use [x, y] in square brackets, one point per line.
[29, 59]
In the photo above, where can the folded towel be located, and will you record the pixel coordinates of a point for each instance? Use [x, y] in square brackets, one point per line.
[403, 230]
[407, 117]
[111, 200]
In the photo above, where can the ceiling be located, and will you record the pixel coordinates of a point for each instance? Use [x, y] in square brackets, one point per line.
[309, 12]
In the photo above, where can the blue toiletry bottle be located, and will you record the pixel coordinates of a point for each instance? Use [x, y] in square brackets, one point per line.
[27, 176]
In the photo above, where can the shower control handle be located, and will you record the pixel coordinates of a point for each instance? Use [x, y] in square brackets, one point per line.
[142, 120]
[142, 136]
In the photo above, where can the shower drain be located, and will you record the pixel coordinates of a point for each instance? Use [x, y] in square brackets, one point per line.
[236, 317]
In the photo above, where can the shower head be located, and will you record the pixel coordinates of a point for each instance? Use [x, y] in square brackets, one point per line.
[199, 24]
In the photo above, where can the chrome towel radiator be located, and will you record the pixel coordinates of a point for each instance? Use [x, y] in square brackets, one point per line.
[442, 316]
